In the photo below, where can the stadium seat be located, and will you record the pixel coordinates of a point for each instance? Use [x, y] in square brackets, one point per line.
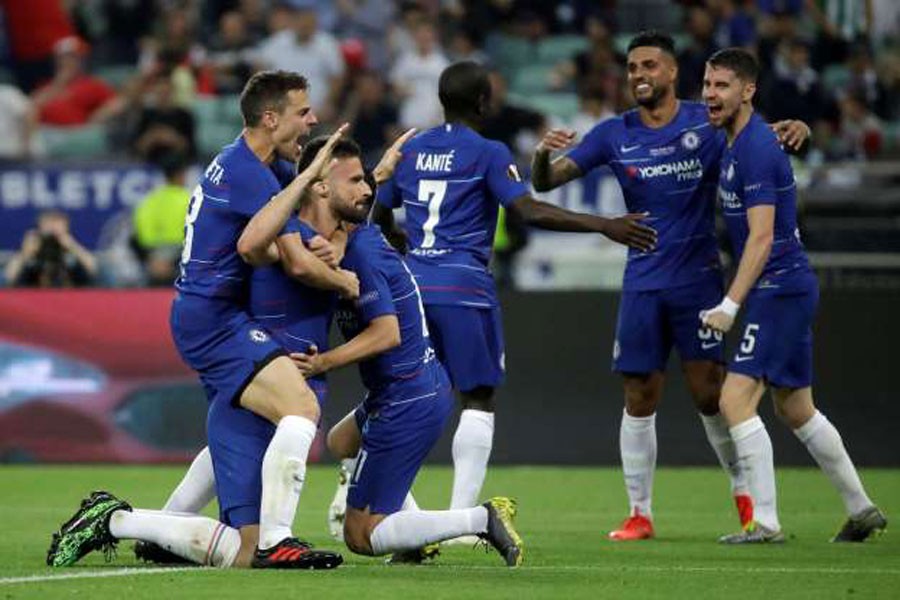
[510, 53]
[562, 105]
[218, 122]
[835, 77]
[116, 75]
[556, 49]
[206, 111]
[531, 79]
[892, 137]
[74, 142]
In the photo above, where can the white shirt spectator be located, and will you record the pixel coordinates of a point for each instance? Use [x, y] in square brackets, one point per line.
[319, 60]
[416, 76]
[17, 122]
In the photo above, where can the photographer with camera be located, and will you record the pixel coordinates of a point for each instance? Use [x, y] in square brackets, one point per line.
[50, 257]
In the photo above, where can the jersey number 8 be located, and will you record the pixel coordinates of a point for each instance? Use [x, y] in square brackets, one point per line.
[189, 219]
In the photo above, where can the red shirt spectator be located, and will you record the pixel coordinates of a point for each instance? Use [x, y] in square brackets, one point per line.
[76, 102]
[73, 97]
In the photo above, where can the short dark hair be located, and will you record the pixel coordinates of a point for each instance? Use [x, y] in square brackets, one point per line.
[344, 148]
[461, 87]
[267, 90]
[655, 39]
[738, 60]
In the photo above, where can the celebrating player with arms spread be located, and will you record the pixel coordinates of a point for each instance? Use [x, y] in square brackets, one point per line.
[666, 159]
[451, 182]
[779, 291]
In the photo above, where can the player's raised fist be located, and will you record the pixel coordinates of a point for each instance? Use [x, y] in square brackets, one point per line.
[556, 139]
[629, 230]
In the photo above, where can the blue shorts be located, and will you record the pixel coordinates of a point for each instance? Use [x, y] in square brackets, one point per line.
[776, 337]
[398, 432]
[238, 440]
[221, 343]
[469, 342]
[651, 322]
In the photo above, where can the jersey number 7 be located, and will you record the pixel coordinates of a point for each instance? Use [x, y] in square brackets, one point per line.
[431, 193]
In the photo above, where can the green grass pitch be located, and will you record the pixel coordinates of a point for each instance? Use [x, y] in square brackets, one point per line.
[564, 514]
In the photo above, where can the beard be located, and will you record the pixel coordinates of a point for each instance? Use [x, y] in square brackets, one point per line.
[349, 213]
[653, 100]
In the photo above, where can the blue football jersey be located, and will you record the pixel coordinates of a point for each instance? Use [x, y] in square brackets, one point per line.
[670, 173]
[451, 182]
[386, 287]
[297, 316]
[235, 185]
[756, 171]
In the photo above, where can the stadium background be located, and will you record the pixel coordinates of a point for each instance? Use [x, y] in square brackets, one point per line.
[90, 375]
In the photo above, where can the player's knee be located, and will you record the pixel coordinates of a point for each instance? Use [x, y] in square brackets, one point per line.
[641, 397]
[249, 540]
[707, 402]
[298, 402]
[791, 413]
[705, 383]
[480, 398]
[733, 404]
[357, 537]
[338, 444]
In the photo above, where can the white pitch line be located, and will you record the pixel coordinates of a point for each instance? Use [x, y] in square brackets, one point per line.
[127, 572]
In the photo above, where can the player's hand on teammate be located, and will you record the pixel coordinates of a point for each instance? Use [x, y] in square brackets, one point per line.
[330, 254]
[556, 139]
[792, 133]
[321, 164]
[384, 170]
[350, 284]
[309, 363]
[629, 230]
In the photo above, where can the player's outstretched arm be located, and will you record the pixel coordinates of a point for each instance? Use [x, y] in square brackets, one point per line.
[382, 334]
[263, 228]
[301, 264]
[793, 134]
[627, 229]
[761, 220]
[547, 175]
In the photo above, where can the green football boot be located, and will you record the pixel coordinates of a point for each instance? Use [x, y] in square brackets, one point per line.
[86, 531]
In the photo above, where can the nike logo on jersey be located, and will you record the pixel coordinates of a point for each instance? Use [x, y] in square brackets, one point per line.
[708, 345]
[626, 149]
[742, 358]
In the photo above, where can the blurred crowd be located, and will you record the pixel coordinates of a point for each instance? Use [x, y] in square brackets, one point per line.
[156, 80]
[148, 71]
